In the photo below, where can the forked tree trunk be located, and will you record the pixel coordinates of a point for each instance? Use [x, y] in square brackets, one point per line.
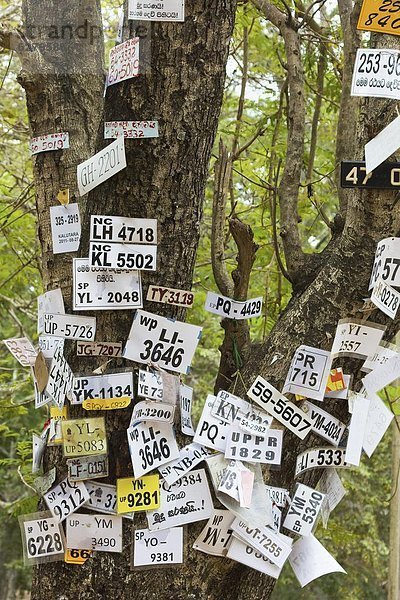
[165, 179]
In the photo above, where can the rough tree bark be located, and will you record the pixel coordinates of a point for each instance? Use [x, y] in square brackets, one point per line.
[182, 88]
[165, 179]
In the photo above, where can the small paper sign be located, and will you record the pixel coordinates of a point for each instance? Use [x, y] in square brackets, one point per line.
[308, 373]
[303, 510]
[165, 295]
[84, 437]
[23, 350]
[216, 535]
[376, 73]
[385, 298]
[355, 339]
[131, 129]
[168, 344]
[134, 495]
[96, 532]
[233, 309]
[124, 61]
[157, 548]
[65, 498]
[186, 501]
[166, 10]
[42, 538]
[150, 446]
[105, 289]
[87, 467]
[310, 560]
[373, 17]
[65, 228]
[46, 143]
[101, 166]
[76, 557]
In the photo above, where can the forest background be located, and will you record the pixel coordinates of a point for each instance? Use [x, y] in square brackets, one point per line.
[253, 126]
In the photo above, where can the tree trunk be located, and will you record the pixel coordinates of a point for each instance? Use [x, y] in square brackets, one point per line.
[182, 88]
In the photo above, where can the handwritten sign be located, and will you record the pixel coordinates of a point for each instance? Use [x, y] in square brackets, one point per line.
[186, 501]
[46, 143]
[23, 350]
[385, 298]
[355, 339]
[65, 498]
[124, 62]
[70, 327]
[131, 129]
[87, 467]
[59, 384]
[186, 398]
[109, 349]
[101, 166]
[153, 411]
[165, 295]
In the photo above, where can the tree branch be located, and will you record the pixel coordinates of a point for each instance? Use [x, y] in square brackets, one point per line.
[237, 333]
[222, 170]
[239, 115]
[31, 59]
[349, 106]
[247, 248]
[317, 112]
[289, 185]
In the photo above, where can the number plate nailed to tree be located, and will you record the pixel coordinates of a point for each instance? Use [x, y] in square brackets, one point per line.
[353, 175]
